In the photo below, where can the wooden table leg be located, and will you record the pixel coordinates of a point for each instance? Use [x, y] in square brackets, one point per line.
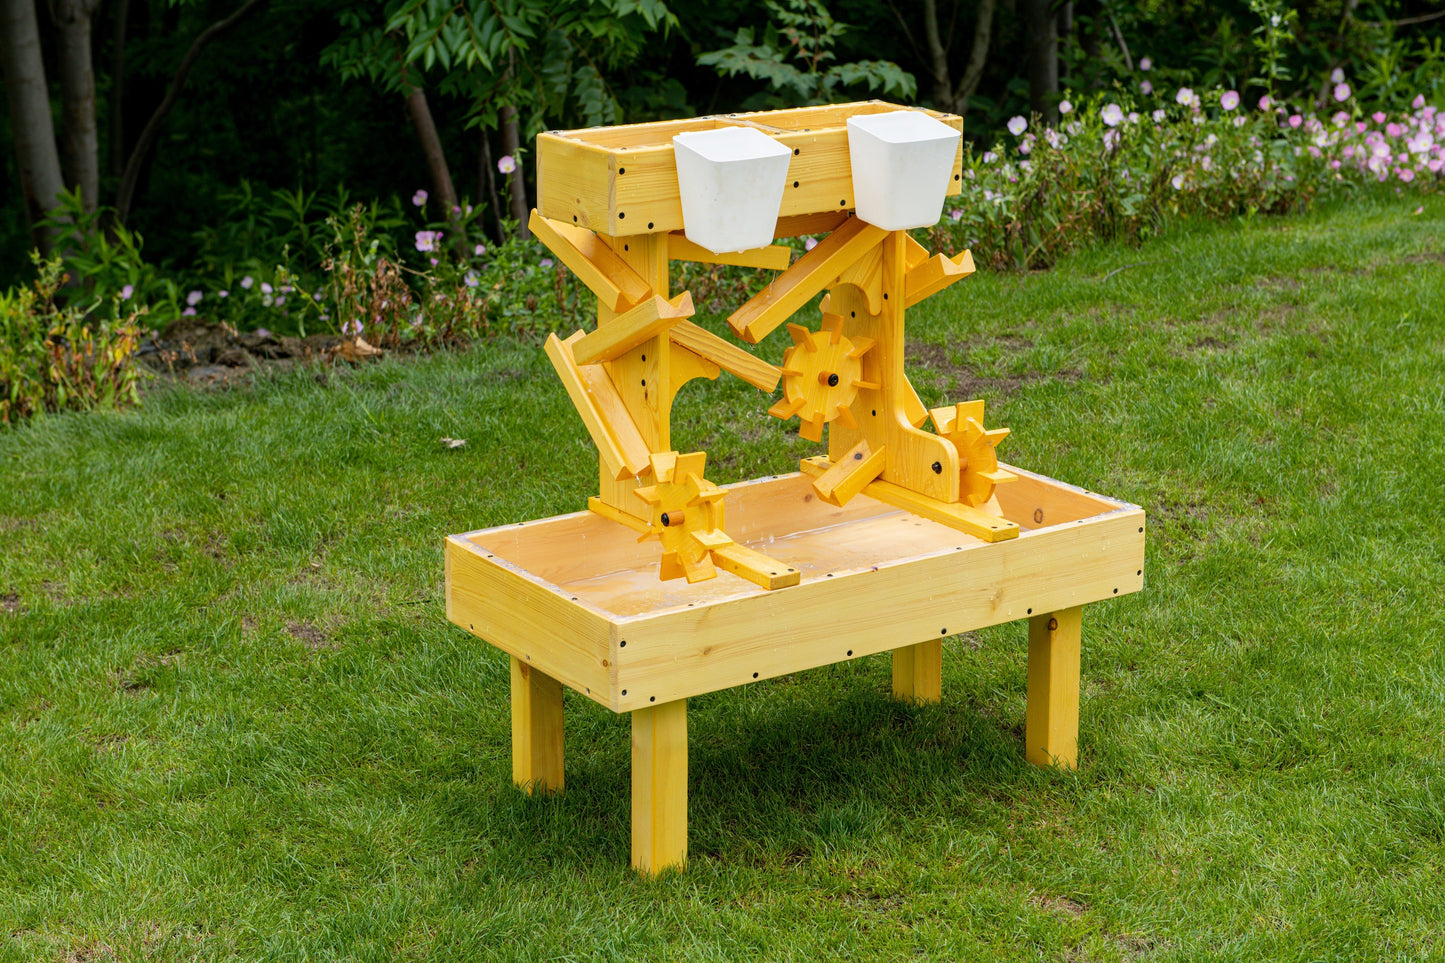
[1051, 723]
[536, 729]
[659, 787]
[918, 672]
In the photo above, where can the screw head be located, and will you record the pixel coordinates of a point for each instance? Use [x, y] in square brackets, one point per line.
[938, 468]
[832, 381]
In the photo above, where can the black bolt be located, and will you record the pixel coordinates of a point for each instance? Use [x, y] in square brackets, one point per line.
[938, 468]
[832, 381]
[665, 520]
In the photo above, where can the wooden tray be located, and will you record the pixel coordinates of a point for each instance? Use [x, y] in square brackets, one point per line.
[578, 597]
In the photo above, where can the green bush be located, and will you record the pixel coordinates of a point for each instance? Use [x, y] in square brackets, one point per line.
[55, 356]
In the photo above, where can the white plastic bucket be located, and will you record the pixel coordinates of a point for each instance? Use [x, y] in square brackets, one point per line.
[731, 181]
[901, 163]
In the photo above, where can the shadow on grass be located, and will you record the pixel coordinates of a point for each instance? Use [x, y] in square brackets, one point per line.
[774, 776]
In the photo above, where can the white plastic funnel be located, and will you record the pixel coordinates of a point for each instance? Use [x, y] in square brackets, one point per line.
[731, 180]
[901, 165]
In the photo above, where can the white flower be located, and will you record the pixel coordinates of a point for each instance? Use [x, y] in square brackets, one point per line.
[1113, 115]
[1017, 125]
[1184, 97]
[1065, 107]
[1178, 182]
[1337, 76]
[1159, 116]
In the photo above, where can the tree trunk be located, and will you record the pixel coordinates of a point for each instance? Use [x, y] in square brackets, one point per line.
[117, 88]
[487, 186]
[80, 147]
[29, 102]
[1043, 59]
[937, 58]
[512, 146]
[1065, 29]
[977, 57]
[431, 147]
[125, 193]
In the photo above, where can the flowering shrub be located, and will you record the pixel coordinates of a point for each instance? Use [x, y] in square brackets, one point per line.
[52, 358]
[1119, 168]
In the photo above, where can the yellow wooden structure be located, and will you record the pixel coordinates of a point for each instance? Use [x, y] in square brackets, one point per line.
[668, 586]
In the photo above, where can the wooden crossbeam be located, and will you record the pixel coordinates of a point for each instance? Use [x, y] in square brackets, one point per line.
[732, 359]
[624, 453]
[965, 518]
[596, 265]
[632, 327]
[933, 275]
[852, 473]
[809, 274]
[774, 257]
[756, 567]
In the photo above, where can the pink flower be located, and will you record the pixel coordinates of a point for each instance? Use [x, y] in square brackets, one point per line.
[1065, 107]
[1146, 87]
[1393, 130]
[1185, 96]
[1342, 92]
[1295, 120]
[546, 262]
[194, 298]
[479, 250]
[1418, 102]
[1113, 115]
[953, 215]
[1265, 103]
[419, 198]
[1229, 100]
[265, 288]
[1145, 64]
[1378, 116]
[1406, 175]
[126, 292]
[506, 164]
[247, 281]
[810, 243]
[427, 240]
[1017, 125]
[1337, 76]
[223, 293]
[188, 312]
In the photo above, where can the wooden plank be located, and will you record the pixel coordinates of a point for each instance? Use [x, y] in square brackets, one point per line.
[622, 181]
[797, 225]
[732, 359]
[536, 729]
[933, 275]
[830, 617]
[618, 442]
[616, 285]
[915, 253]
[774, 257]
[529, 618]
[631, 328]
[973, 521]
[918, 672]
[595, 504]
[756, 567]
[659, 787]
[853, 472]
[1034, 501]
[808, 275]
[1051, 720]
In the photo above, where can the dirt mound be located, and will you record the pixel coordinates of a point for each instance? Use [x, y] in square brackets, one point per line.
[209, 353]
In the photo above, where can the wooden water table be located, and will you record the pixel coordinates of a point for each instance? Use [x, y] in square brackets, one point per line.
[906, 531]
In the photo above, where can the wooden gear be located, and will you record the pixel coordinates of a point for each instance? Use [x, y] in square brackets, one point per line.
[933, 546]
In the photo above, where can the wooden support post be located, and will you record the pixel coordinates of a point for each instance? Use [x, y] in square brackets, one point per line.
[536, 729]
[918, 672]
[659, 787]
[1051, 723]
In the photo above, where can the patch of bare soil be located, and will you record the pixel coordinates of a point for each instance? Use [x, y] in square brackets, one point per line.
[308, 635]
[936, 360]
[10, 602]
[207, 354]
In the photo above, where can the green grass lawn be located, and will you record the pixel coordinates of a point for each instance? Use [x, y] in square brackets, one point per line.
[234, 721]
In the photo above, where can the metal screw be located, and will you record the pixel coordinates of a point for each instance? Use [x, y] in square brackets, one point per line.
[938, 468]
